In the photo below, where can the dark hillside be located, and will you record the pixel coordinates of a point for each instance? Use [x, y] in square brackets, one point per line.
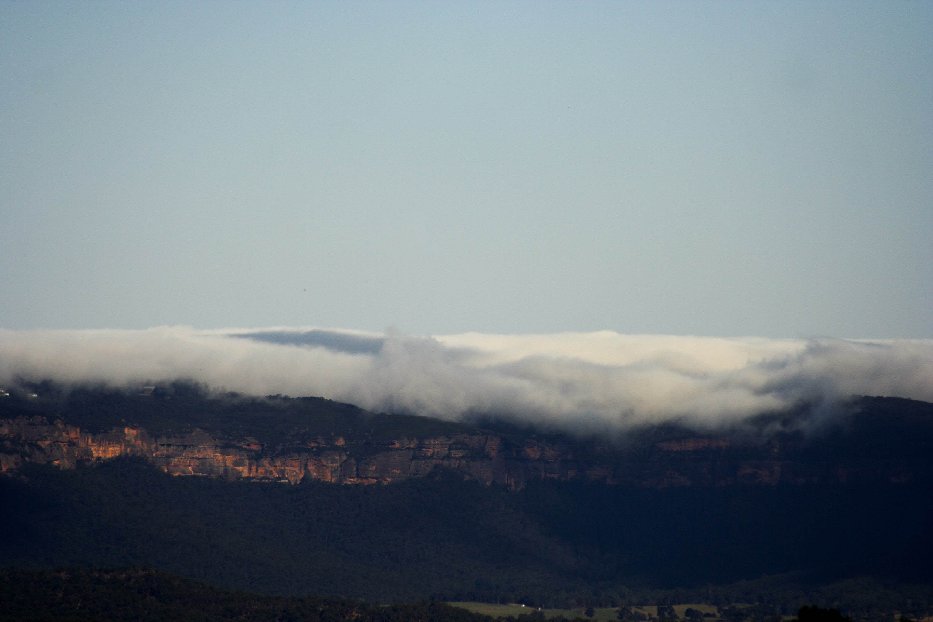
[445, 537]
[413, 540]
[455, 511]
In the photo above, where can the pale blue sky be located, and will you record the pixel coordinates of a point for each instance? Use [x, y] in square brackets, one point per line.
[686, 168]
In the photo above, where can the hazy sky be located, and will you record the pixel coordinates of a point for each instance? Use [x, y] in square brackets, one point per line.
[644, 167]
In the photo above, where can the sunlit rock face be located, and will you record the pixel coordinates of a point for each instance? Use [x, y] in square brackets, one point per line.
[678, 458]
[336, 460]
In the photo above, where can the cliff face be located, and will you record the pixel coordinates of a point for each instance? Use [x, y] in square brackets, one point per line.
[483, 456]
[335, 459]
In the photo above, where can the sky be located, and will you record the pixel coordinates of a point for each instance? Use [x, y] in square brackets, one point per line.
[680, 168]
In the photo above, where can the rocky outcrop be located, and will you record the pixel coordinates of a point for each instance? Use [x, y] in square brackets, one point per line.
[483, 456]
[479, 456]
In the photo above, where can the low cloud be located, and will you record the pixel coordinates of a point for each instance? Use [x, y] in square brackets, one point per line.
[572, 381]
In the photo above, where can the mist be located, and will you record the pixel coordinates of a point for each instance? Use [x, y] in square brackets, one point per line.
[569, 381]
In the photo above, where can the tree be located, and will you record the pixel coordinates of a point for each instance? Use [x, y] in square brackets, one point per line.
[812, 613]
[666, 613]
[693, 614]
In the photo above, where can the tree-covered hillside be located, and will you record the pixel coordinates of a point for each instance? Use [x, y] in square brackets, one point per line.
[448, 538]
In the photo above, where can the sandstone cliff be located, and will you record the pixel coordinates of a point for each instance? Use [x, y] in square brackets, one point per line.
[479, 456]
[509, 460]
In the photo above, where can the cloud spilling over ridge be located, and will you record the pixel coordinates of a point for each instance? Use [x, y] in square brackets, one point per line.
[574, 381]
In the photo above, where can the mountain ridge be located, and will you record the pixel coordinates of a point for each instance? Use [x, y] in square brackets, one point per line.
[668, 507]
[184, 431]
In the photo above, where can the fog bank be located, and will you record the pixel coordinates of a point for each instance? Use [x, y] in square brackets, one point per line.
[575, 381]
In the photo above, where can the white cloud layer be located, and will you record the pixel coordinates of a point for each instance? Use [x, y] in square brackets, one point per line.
[575, 381]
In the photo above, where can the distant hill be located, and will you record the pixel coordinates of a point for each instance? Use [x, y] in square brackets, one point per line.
[490, 512]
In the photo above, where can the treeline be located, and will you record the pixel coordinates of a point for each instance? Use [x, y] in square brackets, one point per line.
[76, 595]
[143, 595]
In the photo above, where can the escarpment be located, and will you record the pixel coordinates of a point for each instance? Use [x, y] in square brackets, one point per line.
[483, 457]
[292, 441]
